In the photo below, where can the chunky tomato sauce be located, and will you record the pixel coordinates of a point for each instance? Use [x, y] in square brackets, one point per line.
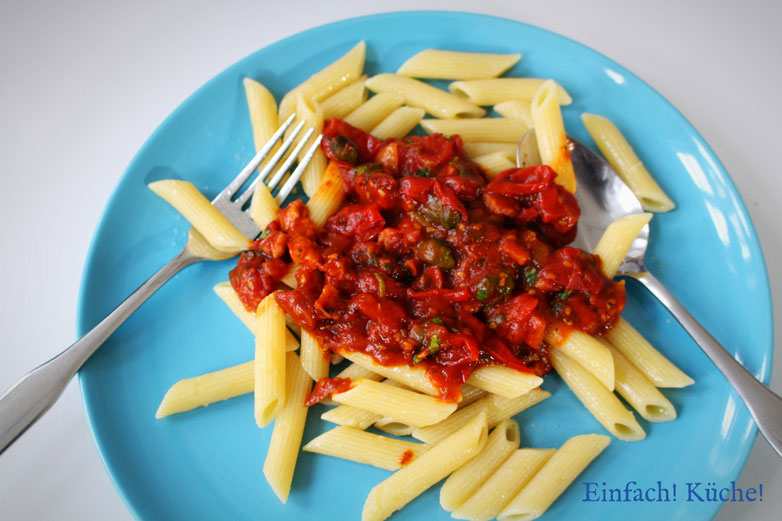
[429, 263]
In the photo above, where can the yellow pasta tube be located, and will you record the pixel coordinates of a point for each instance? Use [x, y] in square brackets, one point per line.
[394, 426]
[288, 430]
[550, 132]
[430, 467]
[328, 81]
[460, 485]
[658, 369]
[504, 381]
[364, 447]
[621, 156]
[203, 390]
[454, 65]
[617, 239]
[399, 123]
[263, 112]
[329, 195]
[601, 402]
[269, 361]
[345, 101]
[312, 357]
[555, 476]
[204, 217]
[503, 130]
[434, 101]
[519, 109]
[587, 351]
[312, 176]
[350, 416]
[412, 377]
[374, 110]
[494, 91]
[470, 394]
[478, 148]
[494, 163]
[639, 392]
[200, 247]
[263, 206]
[406, 406]
[503, 485]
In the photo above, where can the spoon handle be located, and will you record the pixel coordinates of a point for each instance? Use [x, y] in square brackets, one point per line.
[763, 404]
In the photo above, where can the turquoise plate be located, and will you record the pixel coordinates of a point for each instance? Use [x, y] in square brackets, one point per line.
[207, 464]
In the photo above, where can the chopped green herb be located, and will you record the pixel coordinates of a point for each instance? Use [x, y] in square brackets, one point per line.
[482, 294]
[454, 330]
[423, 172]
[564, 295]
[369, 168]
[437, 320]
[264, 234]
[531, 275]
[381, 284]
[434, 344]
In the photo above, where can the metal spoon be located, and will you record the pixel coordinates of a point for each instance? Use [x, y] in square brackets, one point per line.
[603, 198]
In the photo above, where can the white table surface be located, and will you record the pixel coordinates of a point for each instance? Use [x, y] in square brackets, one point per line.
[85, 83]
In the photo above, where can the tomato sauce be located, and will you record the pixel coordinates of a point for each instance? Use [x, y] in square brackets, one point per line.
[430, 263]
[326, 388]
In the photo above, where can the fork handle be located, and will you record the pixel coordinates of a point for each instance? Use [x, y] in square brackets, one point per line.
[764, 405]
[29, 398]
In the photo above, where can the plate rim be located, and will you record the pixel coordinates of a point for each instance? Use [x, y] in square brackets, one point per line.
[82, 326]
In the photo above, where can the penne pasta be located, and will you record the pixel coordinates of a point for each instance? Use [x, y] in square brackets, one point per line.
[498, 90]
[601, 402]
[346, 100]
[470, 394]
[621, 156]
[208, 388]
[658, 369]
[374, 110]
[556, 475]
[328, 81]
[263, 206]
[329, 195]
[200, 247]
[504, 484]
[313, 173]
[367, 448]
[288, 430]
[460, 485]
[269, 361]
[434, 101]
[617, 240]
[503, 130]
[587, 351]
[454, 65]
[430, 467]
[399, 123]
[313, 360]
[519, 109]
[494, 163]
[639, 392]
[357, 372]
[403, 405]
[350, 416]
[394, 427]
[204, 217]
[550, 132]
[504, 381]
[476, 149]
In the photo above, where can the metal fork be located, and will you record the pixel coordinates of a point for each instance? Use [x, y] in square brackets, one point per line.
[27, 400]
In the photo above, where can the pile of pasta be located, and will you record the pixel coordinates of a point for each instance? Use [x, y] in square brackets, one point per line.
[473, 445]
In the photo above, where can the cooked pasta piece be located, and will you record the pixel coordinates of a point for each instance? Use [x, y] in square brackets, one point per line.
[328, 81]
[587, 351]
[406, 406]
[427, 469]
[504, 484]
[374, 110]
[503, 130]
[601, 402]
[550, 132]
[504, 381]
[290, 278]
[471, 394]
[497, 409]
[477, 149]
[658, 369]
[434, 101]
[329, 195]
[263, 206]
[357, 372]
[288, 430]
[410, 376]
[556, 475]
[313, 360]
[455, 65]
[639, 392]
[204, 217]
[350, 416]
[519, 109]
[460, 485]
[364, 447]
[312, 176]
[269, 361]
[617, 239]
[494, 163]
[208, 388]
[346, 100]
[399, 123]
[622, 158]
[200, 247]
[494, 91]
[394, 426]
